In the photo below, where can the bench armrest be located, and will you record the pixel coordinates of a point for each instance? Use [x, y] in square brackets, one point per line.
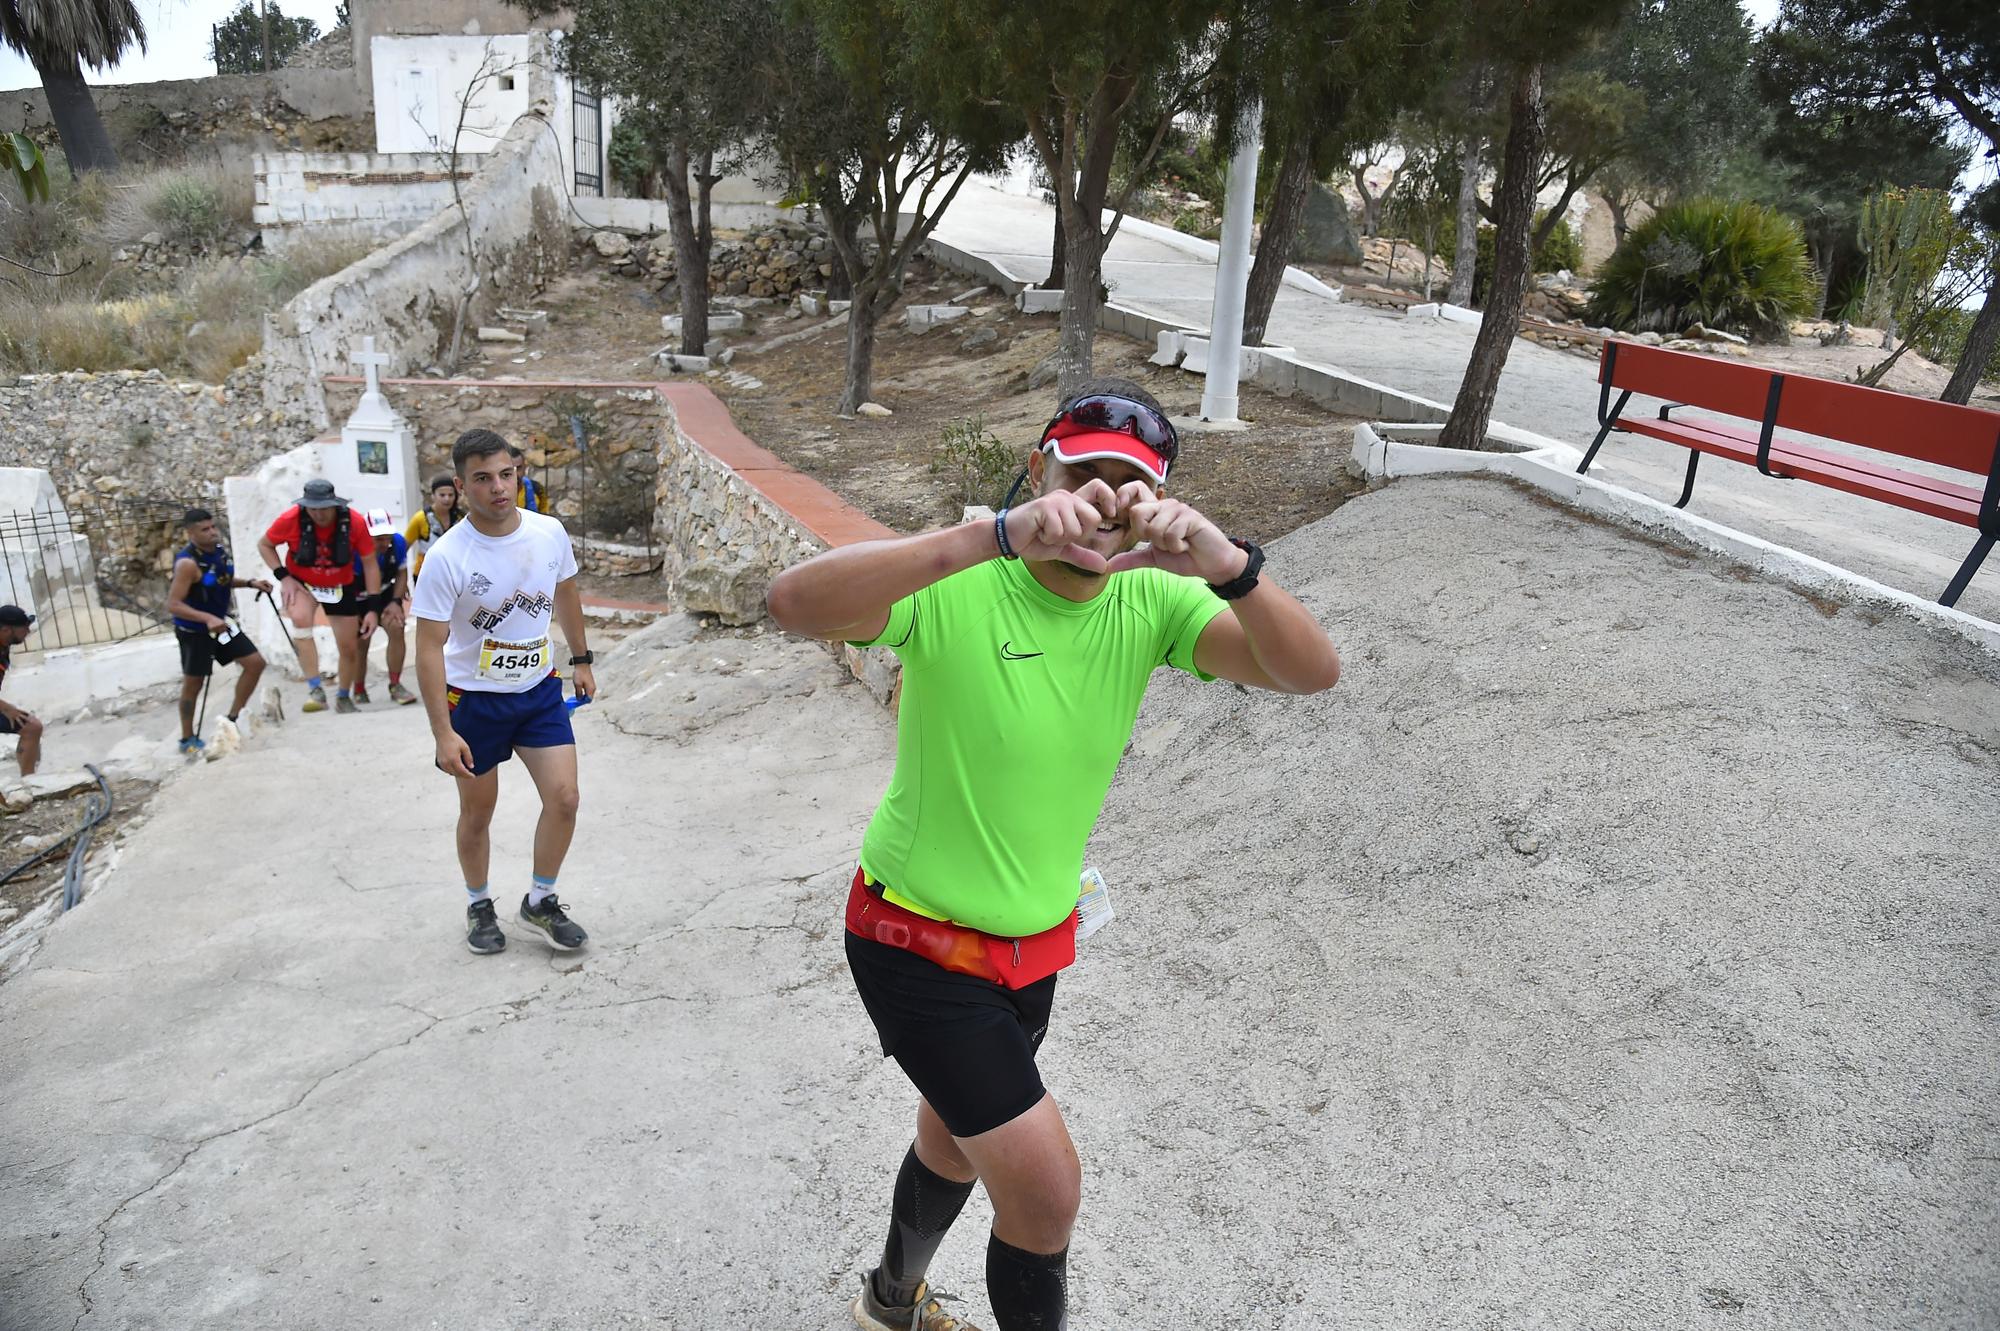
[1671, 406]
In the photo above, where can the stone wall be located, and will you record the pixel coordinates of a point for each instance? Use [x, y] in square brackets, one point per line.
[408, 295]
[604, 491]
[319, 109]
[137, 434]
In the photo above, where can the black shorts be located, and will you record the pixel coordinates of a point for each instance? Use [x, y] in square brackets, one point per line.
[201, 653]
[7, 726]
[967, 1044]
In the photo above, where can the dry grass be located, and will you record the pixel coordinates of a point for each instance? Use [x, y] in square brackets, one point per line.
[204, 329]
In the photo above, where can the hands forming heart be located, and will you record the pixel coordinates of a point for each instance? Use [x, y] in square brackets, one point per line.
[1063, 525]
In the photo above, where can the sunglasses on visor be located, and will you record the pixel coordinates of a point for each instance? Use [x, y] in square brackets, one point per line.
[1120, 415]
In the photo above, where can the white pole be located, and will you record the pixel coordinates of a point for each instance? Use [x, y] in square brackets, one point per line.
[1232, 275]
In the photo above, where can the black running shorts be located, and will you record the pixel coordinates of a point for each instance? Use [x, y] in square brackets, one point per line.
[201, 653]
[967, 1044]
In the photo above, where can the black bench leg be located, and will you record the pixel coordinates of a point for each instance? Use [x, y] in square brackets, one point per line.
[1971, 565]
[1687, 490]
[1604, 428]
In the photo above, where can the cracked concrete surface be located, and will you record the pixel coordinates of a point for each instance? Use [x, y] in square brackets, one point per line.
[1615, 947]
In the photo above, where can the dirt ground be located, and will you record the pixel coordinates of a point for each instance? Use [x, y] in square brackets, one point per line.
[1283, 472]
[40, 826]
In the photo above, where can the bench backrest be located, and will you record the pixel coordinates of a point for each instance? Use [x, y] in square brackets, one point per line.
[1926, 430]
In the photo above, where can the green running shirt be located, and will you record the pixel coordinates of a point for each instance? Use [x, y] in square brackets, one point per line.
[1017, 705]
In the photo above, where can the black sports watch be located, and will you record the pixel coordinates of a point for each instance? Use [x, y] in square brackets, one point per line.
[588, 658]
[280, 573]
[1243, 583]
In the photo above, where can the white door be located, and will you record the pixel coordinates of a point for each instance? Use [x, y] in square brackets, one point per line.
[417, 99]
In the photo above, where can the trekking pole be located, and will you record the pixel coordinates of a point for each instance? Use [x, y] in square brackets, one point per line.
[285, 629]
[202, 715]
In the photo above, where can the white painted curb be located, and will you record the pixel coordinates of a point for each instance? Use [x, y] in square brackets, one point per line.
[1209, 250]
[1551, 468]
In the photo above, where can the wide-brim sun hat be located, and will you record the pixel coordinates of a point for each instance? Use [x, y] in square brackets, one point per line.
[320, 494]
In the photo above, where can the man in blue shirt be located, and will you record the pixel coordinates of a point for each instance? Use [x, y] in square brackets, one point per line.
[391, 605]
[200, 600]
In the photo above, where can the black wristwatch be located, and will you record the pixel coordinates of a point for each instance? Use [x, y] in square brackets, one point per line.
[1243, 583]
[588, 658]
[280, 573]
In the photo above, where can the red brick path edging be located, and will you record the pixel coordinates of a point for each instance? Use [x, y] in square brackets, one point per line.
[706, 422]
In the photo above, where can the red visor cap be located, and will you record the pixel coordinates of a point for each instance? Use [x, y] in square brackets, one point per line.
[1086, 445]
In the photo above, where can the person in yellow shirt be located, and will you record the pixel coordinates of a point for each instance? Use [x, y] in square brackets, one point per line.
[440, 512]
[529, 497]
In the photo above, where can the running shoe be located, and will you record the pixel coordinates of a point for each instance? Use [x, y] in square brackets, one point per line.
[361, 696]
[552, 920]
[344, 703]
[192, 744]
[315, 700]
[926, 1314]
[482, 928]
[400, 695]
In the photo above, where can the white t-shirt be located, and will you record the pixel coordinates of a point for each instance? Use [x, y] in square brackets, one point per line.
[498, 595]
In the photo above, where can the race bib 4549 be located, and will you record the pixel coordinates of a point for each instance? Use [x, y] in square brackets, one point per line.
[513, 662]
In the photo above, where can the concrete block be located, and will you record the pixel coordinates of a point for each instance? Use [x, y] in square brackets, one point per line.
[676, 363]
[839, 306]
[1443, 310]
[719, 321]
[927, 316]
[1035, 300]
[969, 295]
[491, 334]
[1170, 348]
[812, 304]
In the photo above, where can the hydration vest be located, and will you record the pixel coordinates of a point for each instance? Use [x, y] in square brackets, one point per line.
[211, 591]
[342, 548]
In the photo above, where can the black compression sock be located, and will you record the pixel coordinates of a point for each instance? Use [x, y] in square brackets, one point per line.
[1028, 1290]
[924, 1207]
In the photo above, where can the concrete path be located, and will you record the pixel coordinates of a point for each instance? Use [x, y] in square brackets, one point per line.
[1615, 947]
[1547, 391]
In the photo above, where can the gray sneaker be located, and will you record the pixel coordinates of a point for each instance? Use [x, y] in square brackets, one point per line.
[343, 703]
[315, 700]
[552, 920]
[926, 1314]
[482, 928]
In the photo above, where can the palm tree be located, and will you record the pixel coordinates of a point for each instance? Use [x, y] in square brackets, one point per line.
[60, 36]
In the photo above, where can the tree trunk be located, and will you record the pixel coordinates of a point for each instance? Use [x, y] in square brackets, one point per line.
[1281, 230]
[1514, 202]
[1058, 256]
[1979, 346]
[862, 317]
[78, 125]
[1618, 227]
[1371, 205]
[1821, 255]
[1465, 255]
[690, 255]
[1083, 257]
[840, 285]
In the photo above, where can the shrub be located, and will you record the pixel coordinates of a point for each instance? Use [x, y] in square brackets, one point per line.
[1726, 265]
[1561, 251]
[980, 466]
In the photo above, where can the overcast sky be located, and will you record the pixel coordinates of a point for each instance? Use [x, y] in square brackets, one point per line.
[177, 40]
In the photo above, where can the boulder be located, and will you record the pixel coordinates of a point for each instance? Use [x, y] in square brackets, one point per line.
[1325, 233]
[873, 409]
[491, 334]
[733, 589]
[611, 244]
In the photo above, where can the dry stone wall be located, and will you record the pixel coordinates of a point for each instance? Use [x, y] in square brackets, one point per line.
[604, 490]
[135, 434]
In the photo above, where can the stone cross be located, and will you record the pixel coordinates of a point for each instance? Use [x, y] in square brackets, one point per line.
[373, 409]
[371, 362]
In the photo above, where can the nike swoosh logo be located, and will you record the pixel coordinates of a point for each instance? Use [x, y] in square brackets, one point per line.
[1007, 653]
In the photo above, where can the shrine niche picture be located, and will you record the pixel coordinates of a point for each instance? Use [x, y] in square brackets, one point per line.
[371, 457]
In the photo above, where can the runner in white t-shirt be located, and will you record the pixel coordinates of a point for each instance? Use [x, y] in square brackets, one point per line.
[490, 587]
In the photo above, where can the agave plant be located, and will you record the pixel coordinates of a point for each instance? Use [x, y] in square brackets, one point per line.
[1738, 266]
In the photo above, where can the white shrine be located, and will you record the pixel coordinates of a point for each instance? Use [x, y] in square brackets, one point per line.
[375, 463]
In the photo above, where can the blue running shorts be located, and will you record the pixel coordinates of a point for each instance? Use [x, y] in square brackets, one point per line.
[493, 725]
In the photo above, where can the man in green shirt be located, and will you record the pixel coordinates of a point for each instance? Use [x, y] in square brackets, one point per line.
[1026, 643]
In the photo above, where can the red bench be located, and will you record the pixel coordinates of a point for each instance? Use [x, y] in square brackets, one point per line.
[1965, 439]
